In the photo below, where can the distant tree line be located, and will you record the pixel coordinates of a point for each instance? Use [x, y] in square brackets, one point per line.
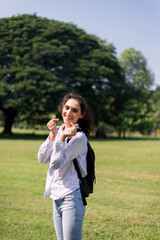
[41, 60]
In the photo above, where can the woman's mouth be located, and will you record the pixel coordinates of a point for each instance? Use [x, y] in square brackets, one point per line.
[68, 119]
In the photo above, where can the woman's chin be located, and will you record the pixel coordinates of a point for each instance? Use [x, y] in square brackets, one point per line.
[67, 123]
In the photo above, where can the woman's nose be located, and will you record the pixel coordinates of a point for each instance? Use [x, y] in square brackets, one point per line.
[68, 111]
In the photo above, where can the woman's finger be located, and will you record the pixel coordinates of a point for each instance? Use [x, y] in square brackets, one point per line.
[52, 121]
[52, 125]
[55, 119]
[74, 125]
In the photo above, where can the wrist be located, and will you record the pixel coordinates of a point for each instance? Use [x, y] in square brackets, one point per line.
[62, 138]
[51, 137]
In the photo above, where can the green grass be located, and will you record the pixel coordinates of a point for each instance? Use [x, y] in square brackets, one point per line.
[125, 204]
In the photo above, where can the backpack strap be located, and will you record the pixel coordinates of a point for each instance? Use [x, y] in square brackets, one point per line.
[80, 178]
[77, 168]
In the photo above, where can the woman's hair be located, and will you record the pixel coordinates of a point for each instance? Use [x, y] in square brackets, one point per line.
[85, 123]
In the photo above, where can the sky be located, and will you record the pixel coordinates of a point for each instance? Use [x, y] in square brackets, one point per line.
[124, 23]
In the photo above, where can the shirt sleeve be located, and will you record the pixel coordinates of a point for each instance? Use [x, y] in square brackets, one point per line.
[64, 152]
[45, 151]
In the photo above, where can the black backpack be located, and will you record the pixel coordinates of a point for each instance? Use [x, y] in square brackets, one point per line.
[86, 183]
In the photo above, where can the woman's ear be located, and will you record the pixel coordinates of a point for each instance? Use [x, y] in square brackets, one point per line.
[83, 115]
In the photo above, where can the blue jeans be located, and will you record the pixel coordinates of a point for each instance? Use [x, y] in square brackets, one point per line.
[68, 215]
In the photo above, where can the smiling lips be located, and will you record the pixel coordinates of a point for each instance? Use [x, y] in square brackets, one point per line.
[68, 119]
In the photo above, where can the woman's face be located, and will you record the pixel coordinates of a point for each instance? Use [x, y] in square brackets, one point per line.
[71, 111]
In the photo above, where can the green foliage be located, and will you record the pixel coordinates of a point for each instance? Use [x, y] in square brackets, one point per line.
[136, 114]
[42, 59]
[135, 117]
[137, 73]
[155, 109]
[136, 69]
[124, 205]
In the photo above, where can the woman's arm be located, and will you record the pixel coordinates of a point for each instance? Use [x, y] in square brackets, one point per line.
[45, 151]
[65, 152]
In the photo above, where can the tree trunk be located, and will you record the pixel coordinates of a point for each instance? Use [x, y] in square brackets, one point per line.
[124, 134]
[10, 115]
[155, 132]
[100, 133]
[119, 133]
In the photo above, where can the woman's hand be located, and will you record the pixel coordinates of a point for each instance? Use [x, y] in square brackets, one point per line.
[71, 131]
[51, 125]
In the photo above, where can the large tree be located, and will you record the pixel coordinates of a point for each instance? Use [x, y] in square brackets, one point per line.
[135, 115]
[139, 77]
[42, 59]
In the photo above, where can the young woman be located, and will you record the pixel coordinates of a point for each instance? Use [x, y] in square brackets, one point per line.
[62, 146]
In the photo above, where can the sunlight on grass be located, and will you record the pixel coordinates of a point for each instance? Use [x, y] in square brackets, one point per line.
[124, 205]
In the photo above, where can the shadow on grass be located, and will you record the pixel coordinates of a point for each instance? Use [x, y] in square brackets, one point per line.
[32, 136]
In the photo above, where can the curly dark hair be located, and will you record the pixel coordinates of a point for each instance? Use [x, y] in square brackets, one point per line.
[85, 123]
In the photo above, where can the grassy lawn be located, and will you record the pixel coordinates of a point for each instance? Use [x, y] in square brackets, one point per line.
[125, 204]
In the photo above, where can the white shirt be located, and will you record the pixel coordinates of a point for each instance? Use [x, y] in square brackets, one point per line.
[62, 177]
